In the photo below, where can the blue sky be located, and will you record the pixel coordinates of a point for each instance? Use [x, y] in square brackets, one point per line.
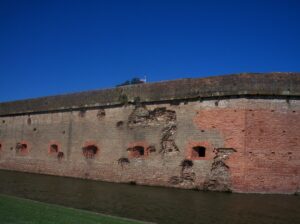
[54, 47]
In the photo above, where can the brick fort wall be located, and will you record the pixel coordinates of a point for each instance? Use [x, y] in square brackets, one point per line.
[193, 134]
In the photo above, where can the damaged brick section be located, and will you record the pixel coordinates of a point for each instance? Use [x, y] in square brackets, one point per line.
[123, 161]
[219, 177]
[167, 141]
[144, 117]
[187, 175]
[100, 113]
[141, 116]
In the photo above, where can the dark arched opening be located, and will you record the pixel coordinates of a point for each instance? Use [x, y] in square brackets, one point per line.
[139, 150]
[53, 148]
[21, 148]
[90, 151]
[136, 151]
[199, 151]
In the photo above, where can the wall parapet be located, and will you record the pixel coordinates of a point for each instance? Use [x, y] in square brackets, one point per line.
[245, 84]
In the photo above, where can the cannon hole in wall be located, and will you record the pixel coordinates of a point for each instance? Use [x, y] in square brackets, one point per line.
[53, 148]
[140, 150]
[22, 148]
[60, 155]
[90, 151]
[0, 147]
[136, 151]
[100, 113]
[198, 151]
[120, 124]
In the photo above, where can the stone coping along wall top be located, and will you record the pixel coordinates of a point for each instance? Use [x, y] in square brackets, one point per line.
[245, 84]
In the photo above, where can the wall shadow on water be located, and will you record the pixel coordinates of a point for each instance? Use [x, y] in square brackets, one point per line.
[155, 204]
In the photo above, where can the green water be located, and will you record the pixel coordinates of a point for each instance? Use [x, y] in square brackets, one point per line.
[154, 204]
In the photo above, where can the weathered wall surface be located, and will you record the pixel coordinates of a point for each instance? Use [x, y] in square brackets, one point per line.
[264, 134]
[251, 144]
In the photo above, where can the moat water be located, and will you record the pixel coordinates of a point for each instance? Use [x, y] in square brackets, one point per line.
[153, 204]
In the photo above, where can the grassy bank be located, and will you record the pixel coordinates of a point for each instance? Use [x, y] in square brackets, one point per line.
[20, 211]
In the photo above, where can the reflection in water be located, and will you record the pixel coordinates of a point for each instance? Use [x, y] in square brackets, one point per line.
[155, 204]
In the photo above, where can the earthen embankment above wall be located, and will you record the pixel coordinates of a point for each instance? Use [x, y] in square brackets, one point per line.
[246, 84]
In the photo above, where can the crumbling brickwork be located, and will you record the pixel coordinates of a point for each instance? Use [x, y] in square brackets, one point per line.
[239, 144]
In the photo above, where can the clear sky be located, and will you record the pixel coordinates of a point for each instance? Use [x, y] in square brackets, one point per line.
[53, 47]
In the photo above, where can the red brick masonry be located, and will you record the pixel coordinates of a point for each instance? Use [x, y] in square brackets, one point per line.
[232, 133]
